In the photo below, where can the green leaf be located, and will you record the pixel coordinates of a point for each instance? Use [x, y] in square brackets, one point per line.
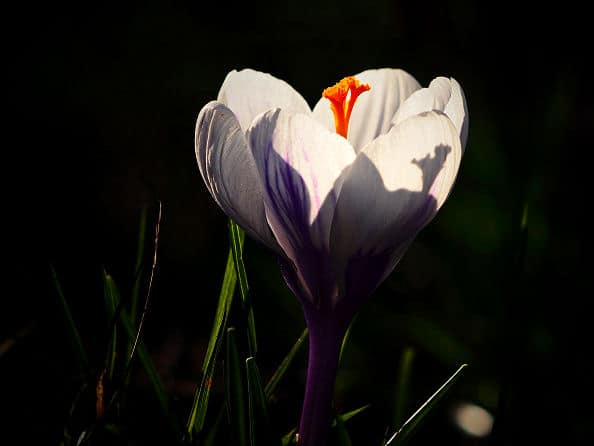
[346, 337]
[236, 238]
[412, 424]
[111, 304]
[344, 417]
[402, 388]
[284, 366]
[235, 392]
[146, 361]
[151, 372]
[143, 355]
[260, 427]
[340, 433]
[289, 438]
[138, 265]
[201, 397]
[72, 332]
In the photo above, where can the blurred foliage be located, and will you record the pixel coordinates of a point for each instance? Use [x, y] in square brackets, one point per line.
[102, 102]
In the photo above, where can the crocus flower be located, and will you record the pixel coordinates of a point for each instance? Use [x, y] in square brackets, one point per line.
[338, 192]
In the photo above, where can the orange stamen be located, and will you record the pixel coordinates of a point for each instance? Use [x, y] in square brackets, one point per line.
[341, 102]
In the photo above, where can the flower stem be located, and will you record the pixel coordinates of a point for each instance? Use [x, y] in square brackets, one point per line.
[325, 339]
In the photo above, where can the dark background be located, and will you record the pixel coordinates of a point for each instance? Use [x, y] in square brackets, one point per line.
[101, 102]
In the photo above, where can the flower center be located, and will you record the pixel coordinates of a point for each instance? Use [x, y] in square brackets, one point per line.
[342, 97]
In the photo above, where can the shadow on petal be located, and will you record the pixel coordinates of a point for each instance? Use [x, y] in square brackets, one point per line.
[337, 281]
[367, 265]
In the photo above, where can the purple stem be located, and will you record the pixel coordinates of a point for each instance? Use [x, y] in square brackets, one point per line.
[325, 340]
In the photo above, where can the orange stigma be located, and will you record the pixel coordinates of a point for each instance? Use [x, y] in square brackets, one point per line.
[342, 97]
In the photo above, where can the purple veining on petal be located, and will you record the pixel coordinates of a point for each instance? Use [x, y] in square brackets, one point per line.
[291, 213]
[316, 193]
[289, 203]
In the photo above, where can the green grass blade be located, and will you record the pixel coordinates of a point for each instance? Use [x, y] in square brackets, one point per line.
[346, 337]
[72, 332]
[344, 417]
[111, 304]
[151, 372]
[138, 265]
[412, 424]
[340, 434]
[201, 398]
[289, 438]
[260, 427]
[284, 366]
[143, 355]
[402, 387]
[236, 237]
[235, 391]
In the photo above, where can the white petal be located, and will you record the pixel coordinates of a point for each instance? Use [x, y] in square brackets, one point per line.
[457, 110]
[394, 188]
[228, 169]
[373, 112]
[444, 95]
[300, 165]
[248, 93]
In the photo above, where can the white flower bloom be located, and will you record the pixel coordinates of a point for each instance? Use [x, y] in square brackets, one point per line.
[341, 211]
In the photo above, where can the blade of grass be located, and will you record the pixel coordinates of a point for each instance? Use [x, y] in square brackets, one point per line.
[138, 265]
[111, 305]
[201, 397]
[152, 374]
[284, 366]
[236, 237]
[347, 336]
[147, 363]
[412, 424]
[235, 392]
[72, 332]
[344, 417]
[402, 387]
[143, 355]
[340, 433]
[150, 286]
[260, 427]
[289, 438]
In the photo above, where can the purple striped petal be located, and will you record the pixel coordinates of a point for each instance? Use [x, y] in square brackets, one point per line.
[229, 172]
[300, 165]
